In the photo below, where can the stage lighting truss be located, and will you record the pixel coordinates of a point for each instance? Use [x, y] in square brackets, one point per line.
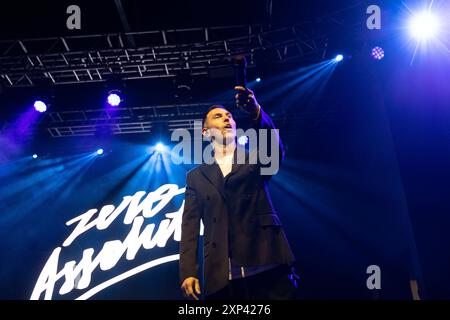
[154, 54]
[145, 119]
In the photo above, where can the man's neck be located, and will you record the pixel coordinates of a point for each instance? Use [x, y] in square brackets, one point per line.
[223, 150]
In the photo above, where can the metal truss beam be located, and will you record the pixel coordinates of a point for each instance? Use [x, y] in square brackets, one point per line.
[152, 54]
[146, 119]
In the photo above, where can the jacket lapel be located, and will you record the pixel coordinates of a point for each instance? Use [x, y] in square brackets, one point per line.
[213, 173]
[236, 166]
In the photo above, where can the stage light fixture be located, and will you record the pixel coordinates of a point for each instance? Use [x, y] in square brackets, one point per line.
[159, 147]
[377, 53]
[242, 140]
[423, 25]
[339, 58]
[40, 106]
[114, 98]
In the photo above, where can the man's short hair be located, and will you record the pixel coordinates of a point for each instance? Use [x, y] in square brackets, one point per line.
[205, 115]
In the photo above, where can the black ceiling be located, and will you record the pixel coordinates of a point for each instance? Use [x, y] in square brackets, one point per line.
[23, 19]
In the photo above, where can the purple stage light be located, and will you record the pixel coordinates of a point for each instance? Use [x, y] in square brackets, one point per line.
[114, 99]
[40, 106]
[378, 53]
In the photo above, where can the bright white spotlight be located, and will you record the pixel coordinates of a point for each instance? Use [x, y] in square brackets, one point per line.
[114, 98]
[159, 147]
[339, 58]
[40, 106]
[242, 140]
[258, 79]
[100, 151]
[423, 25]
[35, 156]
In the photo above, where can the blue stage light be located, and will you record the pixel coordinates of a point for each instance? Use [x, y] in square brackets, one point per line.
[159, 147]
[339, 58]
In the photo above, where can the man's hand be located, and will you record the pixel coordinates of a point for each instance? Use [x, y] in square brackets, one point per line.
[246, 101]
[189, 285]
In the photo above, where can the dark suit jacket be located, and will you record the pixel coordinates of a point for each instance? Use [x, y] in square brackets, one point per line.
[239, 220]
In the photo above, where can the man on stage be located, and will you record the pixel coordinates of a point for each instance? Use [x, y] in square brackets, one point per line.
[246, 254]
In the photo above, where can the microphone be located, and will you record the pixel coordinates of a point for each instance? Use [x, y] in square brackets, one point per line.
[240, 71]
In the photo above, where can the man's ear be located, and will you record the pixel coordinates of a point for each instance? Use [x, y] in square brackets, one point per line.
[206, 133]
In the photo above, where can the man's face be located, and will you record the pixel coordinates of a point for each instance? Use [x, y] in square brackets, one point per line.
[221, 125]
